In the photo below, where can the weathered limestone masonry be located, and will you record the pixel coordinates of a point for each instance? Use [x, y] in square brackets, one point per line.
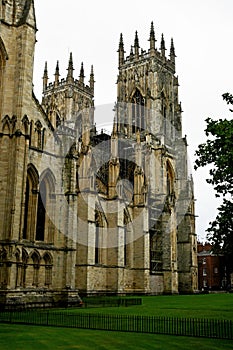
[83, 212]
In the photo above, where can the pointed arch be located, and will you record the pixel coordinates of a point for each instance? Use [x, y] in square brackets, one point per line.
[100, 229]
[45, 207]
[25, 258]
[35, 258]
[48, 265]
[25, 122]
[50, 179]
[6, 124]
[39, 135]
[138, 111]
[30, 202]
[48, 259]
[170, 174]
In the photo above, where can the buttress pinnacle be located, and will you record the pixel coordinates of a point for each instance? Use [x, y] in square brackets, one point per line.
[121, 51]
[70, 69]
[81, 75]
[57, 74]
[136, 45]
[152, 37]
[162, 46]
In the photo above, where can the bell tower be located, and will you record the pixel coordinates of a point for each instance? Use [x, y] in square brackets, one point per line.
[149, 117]
[147, 90]
[69, 99]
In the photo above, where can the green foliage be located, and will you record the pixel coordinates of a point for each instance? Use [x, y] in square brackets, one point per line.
[217, 152]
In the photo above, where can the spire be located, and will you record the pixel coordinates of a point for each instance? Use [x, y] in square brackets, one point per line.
[152, 38]
[136, 45]
[56, 83]
[121, 50]
[81, 75]
[45, 77]
[162, 46]
[92, 81]
[172, 52]
[70, 69]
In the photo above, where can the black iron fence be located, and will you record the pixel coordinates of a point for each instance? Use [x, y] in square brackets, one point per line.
[110, 302]
[209, 328]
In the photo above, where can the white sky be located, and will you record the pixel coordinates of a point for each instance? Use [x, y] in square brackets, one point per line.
[202, 31]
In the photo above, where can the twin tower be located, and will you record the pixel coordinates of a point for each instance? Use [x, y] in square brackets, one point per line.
[86, 212]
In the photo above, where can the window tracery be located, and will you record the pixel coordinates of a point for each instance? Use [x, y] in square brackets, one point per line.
[138, 112]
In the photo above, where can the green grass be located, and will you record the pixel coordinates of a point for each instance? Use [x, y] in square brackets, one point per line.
[219, 306]
[15, 337]
[214, 306]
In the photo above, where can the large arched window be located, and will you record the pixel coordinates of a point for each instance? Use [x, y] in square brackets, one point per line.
[27, 192]
[164, 113]
[170, 180]
[138, 112]
[31, 193]
[97, 237]
[3, 58]
[99, 224]
[40, 221]
[45, 208]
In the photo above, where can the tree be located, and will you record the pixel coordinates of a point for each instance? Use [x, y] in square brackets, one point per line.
[217, 151]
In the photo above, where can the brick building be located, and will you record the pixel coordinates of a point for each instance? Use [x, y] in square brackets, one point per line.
[211, 268]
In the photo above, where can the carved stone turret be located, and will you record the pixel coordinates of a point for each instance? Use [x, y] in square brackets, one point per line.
[59, 96]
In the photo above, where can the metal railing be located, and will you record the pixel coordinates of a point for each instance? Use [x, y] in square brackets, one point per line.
[209, 328]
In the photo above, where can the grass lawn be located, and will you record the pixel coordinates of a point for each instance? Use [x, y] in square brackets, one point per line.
[15, 337]
[220, 306]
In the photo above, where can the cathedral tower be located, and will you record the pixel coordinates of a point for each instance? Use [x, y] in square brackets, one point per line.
[148, 86]
[148, 110]
[67, 100]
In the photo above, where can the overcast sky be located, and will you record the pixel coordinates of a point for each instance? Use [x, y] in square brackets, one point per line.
[202, 31]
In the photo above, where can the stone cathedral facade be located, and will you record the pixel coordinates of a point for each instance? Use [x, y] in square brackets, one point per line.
[85, 212]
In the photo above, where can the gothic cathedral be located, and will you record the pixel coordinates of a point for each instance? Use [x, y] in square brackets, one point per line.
[85, 212]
